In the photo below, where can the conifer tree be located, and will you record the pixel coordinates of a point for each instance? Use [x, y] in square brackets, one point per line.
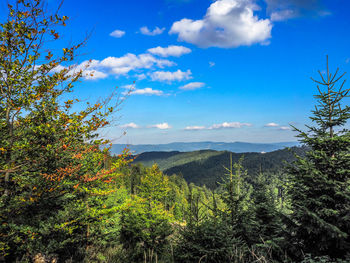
[145, 222]
[320, 182]
[235, 195]
[267, 220]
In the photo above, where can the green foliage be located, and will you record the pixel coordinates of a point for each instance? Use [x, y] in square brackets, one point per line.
[236, 194]
[320, 182]
[208, 242]
[145, 228]
[267, 219]
[53, 180]
[240, 228]
[198, 210]
[145, 223]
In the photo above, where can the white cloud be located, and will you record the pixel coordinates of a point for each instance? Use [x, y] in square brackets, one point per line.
[156, 31]
[195, 128]
[227, 24]
[229, 125]
[130, 125]
[96, 69]
[192, 86]
[125, 64]
[145, 91]
[171, 76]
[271, 124]
[162, 126]
[284, 128]
[175, 51]
[117, 33]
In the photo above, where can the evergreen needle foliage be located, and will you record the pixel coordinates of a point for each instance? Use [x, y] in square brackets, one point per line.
[320, 182]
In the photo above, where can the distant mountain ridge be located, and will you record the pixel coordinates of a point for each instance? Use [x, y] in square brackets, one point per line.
[237, 147]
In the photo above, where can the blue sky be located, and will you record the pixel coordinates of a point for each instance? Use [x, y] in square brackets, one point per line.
[225, 70]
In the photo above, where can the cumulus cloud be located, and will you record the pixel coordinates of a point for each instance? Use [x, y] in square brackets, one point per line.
[192, 86]
[195, 128]
[271, 124]
[125, 64]
[171, 76]
[130, 125]
[143, 65]
[96, 69]
[280, 10]
[175, 51]
[161, 126]
[117, 33]
[227, 24]
[229, 125]
[156, 31]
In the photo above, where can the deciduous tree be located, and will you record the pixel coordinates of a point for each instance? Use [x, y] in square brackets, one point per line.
[51, 166]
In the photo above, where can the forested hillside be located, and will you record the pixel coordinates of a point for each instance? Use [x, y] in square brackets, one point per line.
[207, 167]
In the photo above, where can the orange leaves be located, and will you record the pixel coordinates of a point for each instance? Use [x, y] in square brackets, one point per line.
[78, 156]
[102, 175]
[109, 180]
[62, 173]
[69, 102]
[54, 34]
[85, 171]
[49, 55]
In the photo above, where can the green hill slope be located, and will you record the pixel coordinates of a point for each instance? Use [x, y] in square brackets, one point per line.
[206, 167]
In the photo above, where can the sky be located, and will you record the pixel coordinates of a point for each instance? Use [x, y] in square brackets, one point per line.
[204, 70]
